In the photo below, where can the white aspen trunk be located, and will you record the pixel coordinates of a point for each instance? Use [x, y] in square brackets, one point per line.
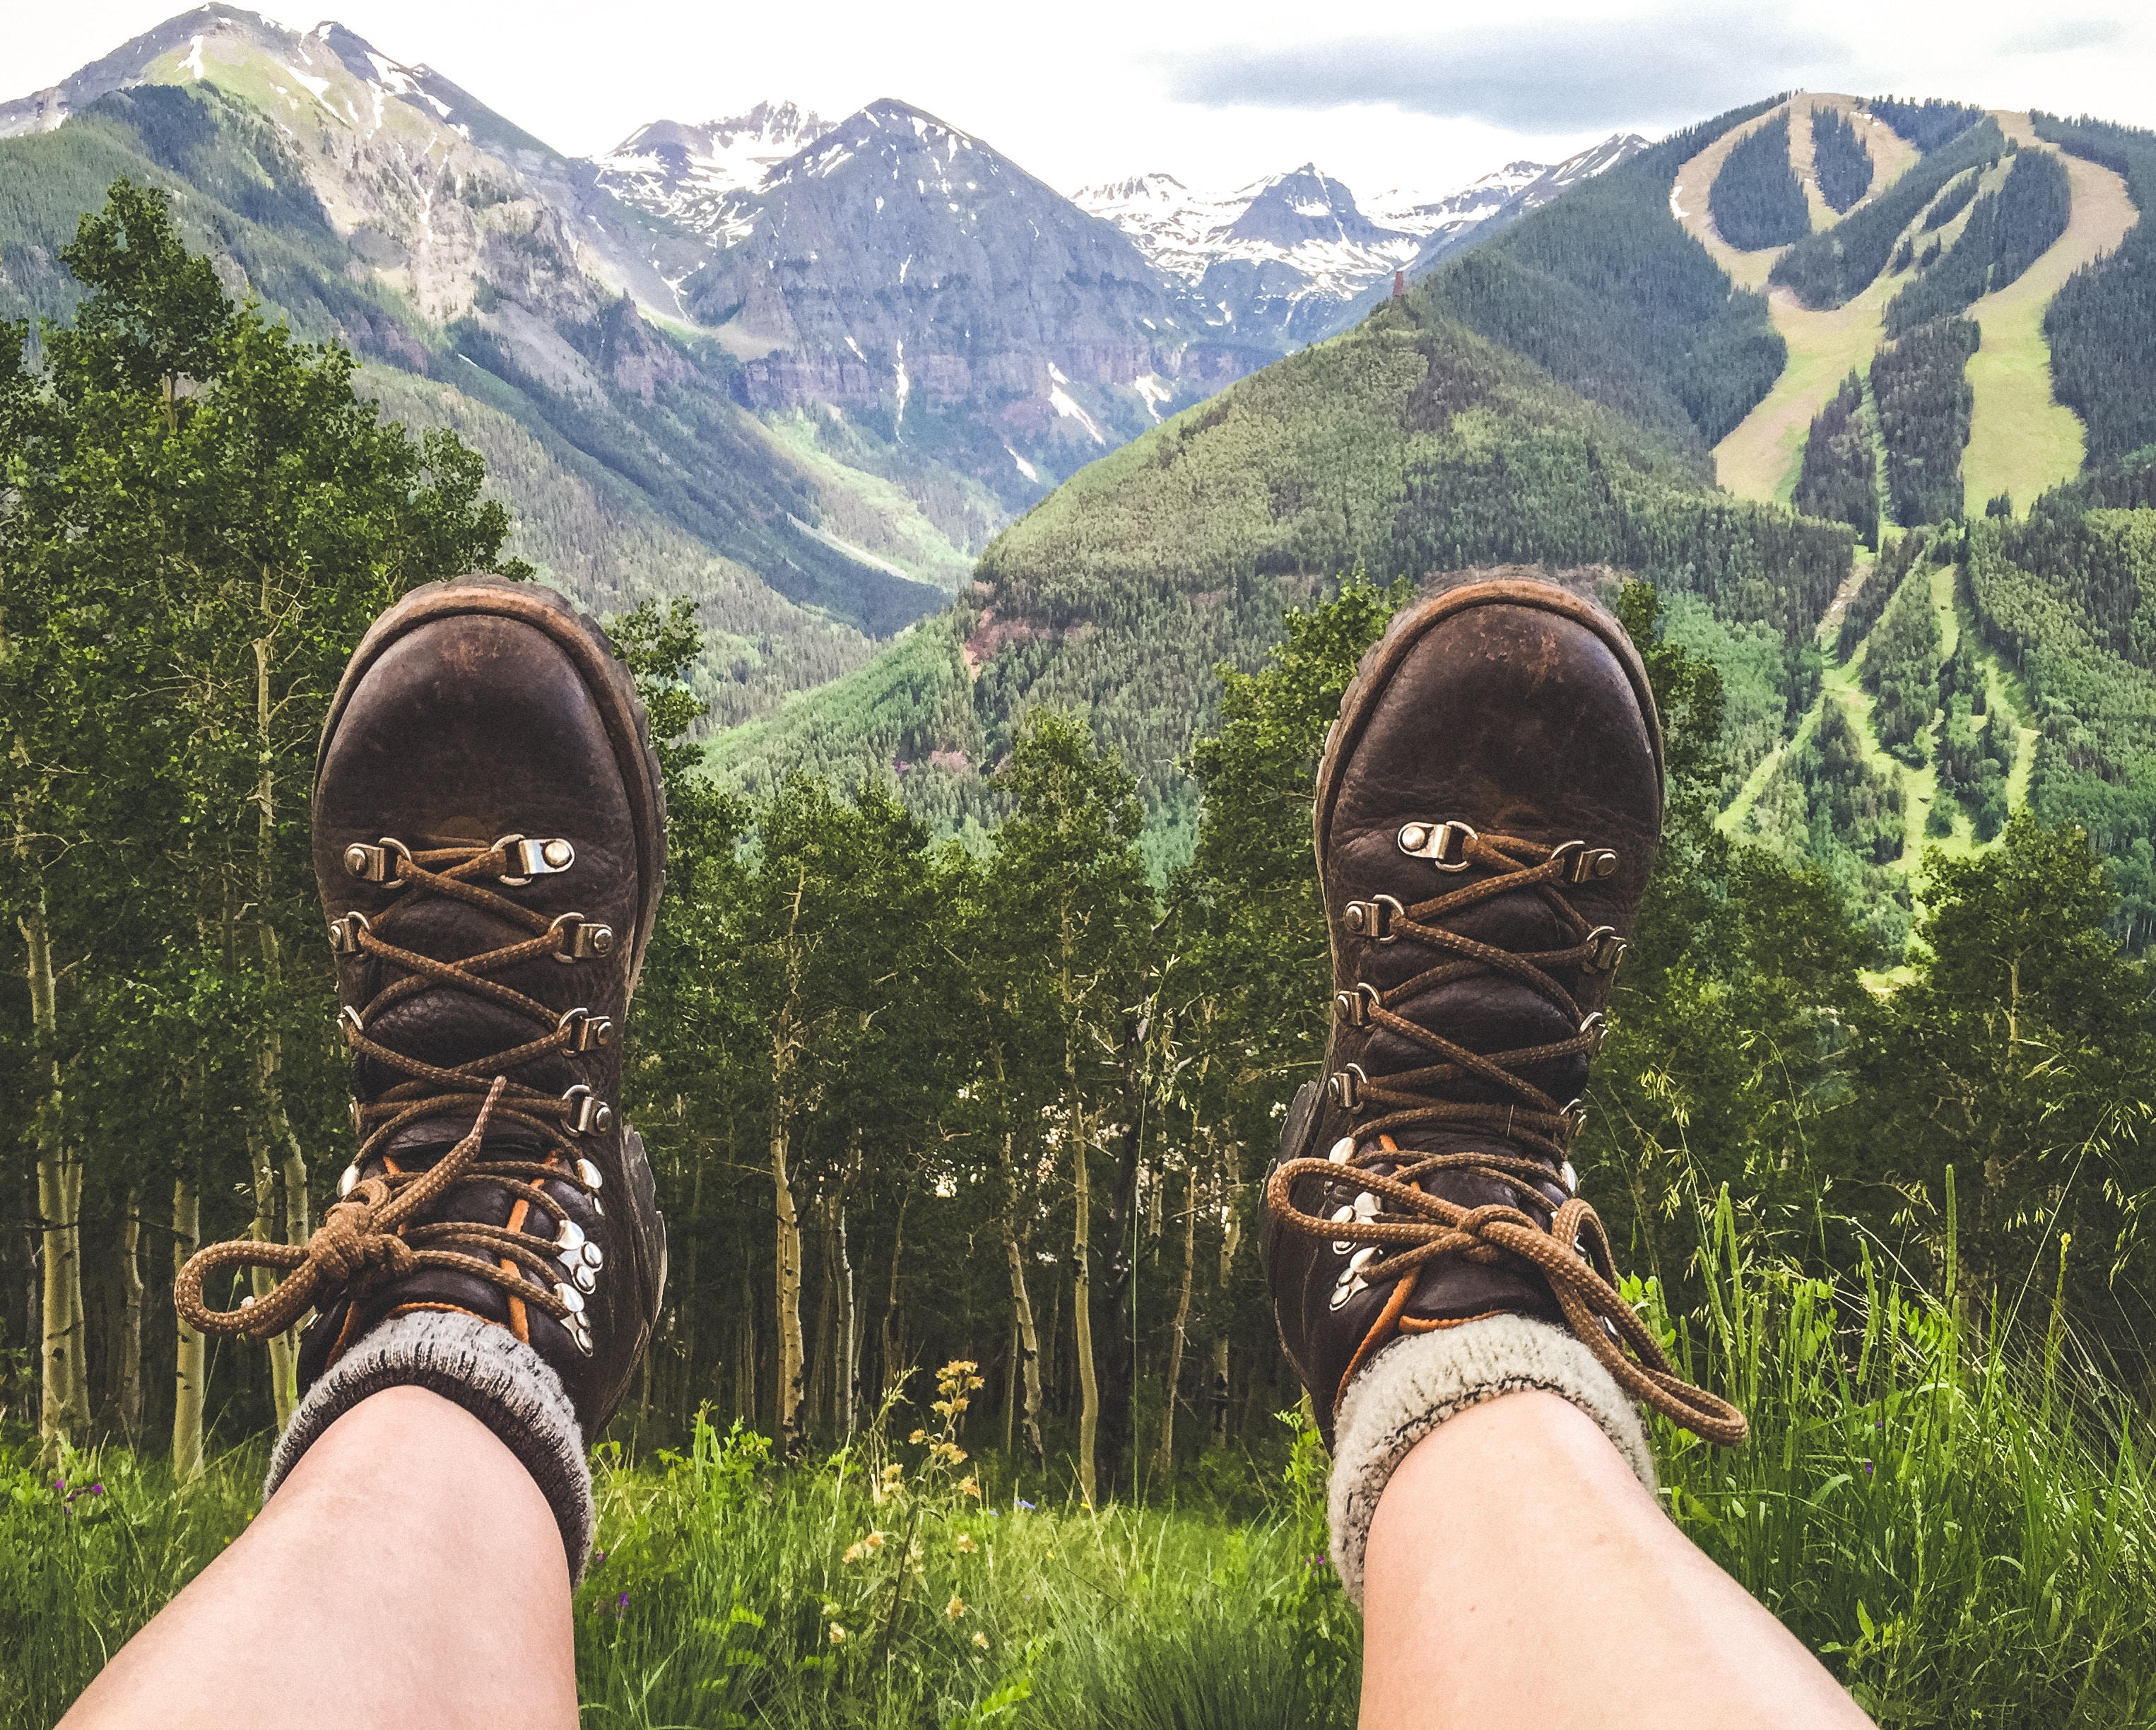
[849, 1332]
[131, 1319]
[1165, 1462]
[1231, 1236]
[1028, 1348]
[791, 1356]
[187, 1386]
[64, 1405]
[268, 1057]
[1081, 1314]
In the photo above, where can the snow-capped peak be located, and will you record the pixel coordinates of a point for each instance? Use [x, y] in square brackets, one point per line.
[671, 162]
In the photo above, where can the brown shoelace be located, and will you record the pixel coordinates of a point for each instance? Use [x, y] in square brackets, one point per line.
[1412, 1229]
[369, 1238]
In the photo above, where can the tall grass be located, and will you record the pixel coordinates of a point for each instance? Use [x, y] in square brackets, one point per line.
[1961, 1529]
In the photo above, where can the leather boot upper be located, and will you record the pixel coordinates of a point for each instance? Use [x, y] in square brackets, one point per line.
[488, 846]
[1487, 815]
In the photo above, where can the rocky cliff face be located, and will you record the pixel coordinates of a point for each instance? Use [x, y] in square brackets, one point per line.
[904, 273]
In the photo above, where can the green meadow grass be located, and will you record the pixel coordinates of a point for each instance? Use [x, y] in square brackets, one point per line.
[1963, 1530]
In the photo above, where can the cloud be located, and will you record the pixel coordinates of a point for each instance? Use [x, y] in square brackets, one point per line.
[2063, 35]
[1545, 76]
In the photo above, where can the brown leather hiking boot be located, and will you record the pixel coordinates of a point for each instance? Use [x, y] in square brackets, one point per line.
[1487, 816]
[489, 845]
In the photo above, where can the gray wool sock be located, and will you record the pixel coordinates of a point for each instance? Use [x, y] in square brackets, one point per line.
[1415, 1384]
[489, 1372]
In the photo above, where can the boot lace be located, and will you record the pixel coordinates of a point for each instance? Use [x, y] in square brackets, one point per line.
[1394, 1229]
[373, 1234]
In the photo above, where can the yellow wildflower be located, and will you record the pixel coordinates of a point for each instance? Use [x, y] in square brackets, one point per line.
[982, 1641]
[837, 1635]
[969, 1487]
[956, 1608]
[966, 1544]
[874, 1540]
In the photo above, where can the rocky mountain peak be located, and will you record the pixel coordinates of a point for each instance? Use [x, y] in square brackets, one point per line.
[662, 162]
[1303, 205]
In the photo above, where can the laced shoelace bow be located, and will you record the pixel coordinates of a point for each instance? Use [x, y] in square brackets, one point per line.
[368, 1240]
[355, 1249]
[1573, 1251]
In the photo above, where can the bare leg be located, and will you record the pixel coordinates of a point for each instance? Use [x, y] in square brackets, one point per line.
[1518, 1574]
[408, 1573]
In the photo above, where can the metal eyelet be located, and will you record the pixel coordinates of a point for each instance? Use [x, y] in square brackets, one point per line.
[349, 1016]
[588, 939]
[345, 933]
[1444, 844]
[1373, 919]
[1605, 950]
[1569, 1178]
[591, 1032]
[588, 1174]
[1574, 1114]
[543, 858]
[1343, 1150]
[570, 1295]
[584, 1279]
[1595, 1030]
[1583, 864]
[376, 864]
[1354, 1007]
[1345, 1086]
[588, 1114]
[347, 1180]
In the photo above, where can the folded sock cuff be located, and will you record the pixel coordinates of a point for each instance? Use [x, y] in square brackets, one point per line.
[489, 1372]
[1415, 1384]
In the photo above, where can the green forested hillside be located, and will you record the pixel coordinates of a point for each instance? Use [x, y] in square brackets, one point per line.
[1605, 290]
[2101, 324]
[1410, 446]
[1838, 264]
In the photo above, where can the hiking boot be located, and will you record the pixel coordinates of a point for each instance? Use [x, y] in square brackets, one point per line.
[489, 846]
[1487, 815]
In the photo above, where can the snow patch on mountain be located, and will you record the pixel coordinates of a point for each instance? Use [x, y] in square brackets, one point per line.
[685, 171]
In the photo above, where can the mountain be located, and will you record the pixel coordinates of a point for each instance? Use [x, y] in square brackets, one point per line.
[1271, 263]
[1420, 442]
[679, 171]
[915, 294]
[1599, 386]
[1294, 258]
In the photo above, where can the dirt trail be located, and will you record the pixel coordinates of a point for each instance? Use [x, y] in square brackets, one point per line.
[2021, 440]
[1759, 459]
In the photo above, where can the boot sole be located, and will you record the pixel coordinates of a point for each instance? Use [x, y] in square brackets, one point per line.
[1407, 628]
[612, 688]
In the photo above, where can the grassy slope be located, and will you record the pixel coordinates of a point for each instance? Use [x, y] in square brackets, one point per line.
[2021, 441]
[1759, 459]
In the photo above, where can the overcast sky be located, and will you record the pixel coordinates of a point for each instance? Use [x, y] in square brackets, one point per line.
[1380, 94]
